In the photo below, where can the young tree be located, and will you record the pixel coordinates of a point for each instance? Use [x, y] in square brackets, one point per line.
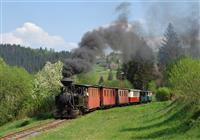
[118, 74]
[47, 85]
[101, 80]
[110, 75]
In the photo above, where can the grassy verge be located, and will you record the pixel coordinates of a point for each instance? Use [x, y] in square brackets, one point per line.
[157, 120]
[19, 125]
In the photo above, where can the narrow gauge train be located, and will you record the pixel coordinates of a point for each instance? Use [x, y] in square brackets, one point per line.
[77, 99]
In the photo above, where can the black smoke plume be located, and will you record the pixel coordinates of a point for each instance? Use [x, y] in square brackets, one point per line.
[120, 36]
[185, 18]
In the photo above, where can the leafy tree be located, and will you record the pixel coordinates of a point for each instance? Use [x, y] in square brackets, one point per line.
[47, 85]
[184, 78]
[15, 92]
[139, 72]
[110, 75]
[152, 86]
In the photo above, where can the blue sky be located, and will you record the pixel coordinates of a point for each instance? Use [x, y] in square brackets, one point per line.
[60, 21]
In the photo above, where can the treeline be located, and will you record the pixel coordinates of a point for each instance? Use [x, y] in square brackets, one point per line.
[141, 70]
[25, 95]
[32, 60]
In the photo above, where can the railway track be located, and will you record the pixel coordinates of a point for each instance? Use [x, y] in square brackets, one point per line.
[23, 134]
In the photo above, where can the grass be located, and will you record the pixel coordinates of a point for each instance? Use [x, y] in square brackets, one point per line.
[157, 120]
[92, 78]
[22, 124]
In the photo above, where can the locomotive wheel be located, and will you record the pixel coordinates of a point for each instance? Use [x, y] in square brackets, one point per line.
[74, 113]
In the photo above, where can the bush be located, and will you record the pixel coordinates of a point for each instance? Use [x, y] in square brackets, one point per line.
[163, 94]
[15, 92]
[184, 77]
[152, 86]
[110, 76]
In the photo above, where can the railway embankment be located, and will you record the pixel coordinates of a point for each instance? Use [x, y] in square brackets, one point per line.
[157, 120]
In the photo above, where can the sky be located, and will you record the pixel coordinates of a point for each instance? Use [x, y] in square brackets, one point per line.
[60, 24]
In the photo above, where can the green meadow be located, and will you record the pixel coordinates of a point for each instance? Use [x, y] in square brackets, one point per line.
[156, 120]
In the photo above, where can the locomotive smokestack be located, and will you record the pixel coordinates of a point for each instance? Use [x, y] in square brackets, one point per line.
[67, 81]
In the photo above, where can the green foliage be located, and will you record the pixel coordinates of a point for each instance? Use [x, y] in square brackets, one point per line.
[119, 74]
[184, 78]
[21, 95]
[139, 72]
[152, 86]
[169, 52]
[101, 80]
[47, 86]
[93, 77]
[110, 75]
[171, 49]
[32, 60]
[15, 92]
[163, 94]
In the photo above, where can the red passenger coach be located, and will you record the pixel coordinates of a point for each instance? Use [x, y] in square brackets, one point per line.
[108, 96]
[134, 96]
[93, 99]
[122, 96]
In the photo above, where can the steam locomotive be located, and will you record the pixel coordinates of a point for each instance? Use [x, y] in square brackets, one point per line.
[76, 99]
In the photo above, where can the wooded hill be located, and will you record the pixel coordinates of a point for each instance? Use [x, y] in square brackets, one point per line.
[32, 60]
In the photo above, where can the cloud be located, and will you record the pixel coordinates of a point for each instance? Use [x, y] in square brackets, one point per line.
[34, 36]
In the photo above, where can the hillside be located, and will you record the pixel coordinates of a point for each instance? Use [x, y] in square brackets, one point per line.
[92, 77]
[157, 120]
[32, 60]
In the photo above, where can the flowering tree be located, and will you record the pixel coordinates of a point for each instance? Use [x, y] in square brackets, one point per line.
[47, 84]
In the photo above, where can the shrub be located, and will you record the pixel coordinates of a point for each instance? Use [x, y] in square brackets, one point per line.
[110, 76]
[184, 77]
[152, 86]
[15, 92]
[163, 94]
